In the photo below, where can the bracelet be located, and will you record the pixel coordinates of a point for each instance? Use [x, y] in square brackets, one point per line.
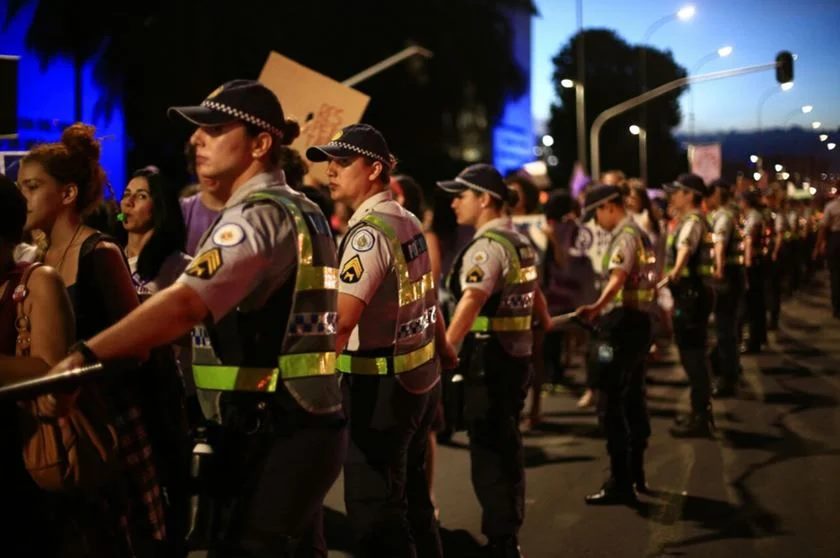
[82, 348]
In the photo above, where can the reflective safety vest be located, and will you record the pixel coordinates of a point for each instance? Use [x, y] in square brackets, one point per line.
[413, 347]
[506, 314]
[639, 289]
[290, 340]
[733, 251]
[700, 264]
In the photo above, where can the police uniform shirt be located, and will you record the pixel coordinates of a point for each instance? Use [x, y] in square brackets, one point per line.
[831, 216]
[723, 226]
[600, 243]
[780, 223]
[753, 221]
[624, 253]
[485, 262]
[484, 267]
[366, 272]
[245, 254]
[690, 235]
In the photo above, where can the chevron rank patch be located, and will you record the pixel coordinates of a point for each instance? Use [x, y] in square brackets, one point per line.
[352, 271]
[205, 265]
[475, 275]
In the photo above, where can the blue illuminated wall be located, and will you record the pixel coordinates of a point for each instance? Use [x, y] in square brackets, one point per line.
[46, 101]
[513, 135]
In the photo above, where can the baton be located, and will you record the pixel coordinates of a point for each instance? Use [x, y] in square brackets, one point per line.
[54, 382]
[570, 319]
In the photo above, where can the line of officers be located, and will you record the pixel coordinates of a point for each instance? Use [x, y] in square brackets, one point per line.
[309, 361]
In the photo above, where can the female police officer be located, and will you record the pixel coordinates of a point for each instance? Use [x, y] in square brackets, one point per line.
[620, 343]
[264, 283]
[495, 280]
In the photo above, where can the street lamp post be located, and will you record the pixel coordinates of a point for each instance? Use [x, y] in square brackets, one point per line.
[580, 117]
[804, 109]
[643, 158]
[766, 95]
[722, 52]
[683, 14]
[387, 63]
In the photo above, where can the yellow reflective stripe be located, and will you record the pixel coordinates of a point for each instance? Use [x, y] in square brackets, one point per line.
[378, 366]
[312, 278]
[635, 295]
[240, 378]
[515, 275]
[417, 290]
[408, 291]
[302, 365]
[509, 323]
[527, 274]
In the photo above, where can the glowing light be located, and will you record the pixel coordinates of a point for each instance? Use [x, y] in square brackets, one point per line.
[725, 51]
[779, 168]
[816, 125]
[547, 140]
[787, 86]
[757, 175]
[807, 108]
[635, 130]
[686, 12]
[812, 190]
[831, 146]
[823, 137]
[753, 158]
[567, 83]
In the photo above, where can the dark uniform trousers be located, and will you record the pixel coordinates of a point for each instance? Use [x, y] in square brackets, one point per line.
[833, 259]
[756, 307]
[728, 298]
[693, 302]
[617, 356]
[385, 487]
[273, 468]
[776, 272]
[494, 395]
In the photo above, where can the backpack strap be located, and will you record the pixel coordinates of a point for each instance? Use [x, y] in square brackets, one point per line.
[23, 341]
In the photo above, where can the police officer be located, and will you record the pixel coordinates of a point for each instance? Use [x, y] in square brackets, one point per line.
[728, 286]
[778, 261]
[389, 335]
[495, 281]
[263, 288]
[828, 245]
[688, 267]
[620, 344]
[754, 255]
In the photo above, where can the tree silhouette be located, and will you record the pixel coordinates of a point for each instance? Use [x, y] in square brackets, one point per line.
[612, 76]
[154, 55]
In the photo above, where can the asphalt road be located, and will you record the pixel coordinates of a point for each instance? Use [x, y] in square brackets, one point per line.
[768, 485]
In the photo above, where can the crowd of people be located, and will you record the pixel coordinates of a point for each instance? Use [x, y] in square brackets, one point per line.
[255, 337]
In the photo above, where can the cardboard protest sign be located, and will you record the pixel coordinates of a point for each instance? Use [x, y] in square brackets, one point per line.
[321, 105]
[705, 161]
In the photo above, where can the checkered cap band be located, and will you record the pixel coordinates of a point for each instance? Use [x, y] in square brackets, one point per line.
[314, 323]
[244, 116]
[418, 325]
[360, 151]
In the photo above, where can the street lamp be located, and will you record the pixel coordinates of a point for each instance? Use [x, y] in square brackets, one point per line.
[387, 63]
[807, 109]
[769, 93]
[779, 168]
[722, 52]
[580, 113]
[643, 158]
[686, 12]
[816, 125]
[757, 176]
[753, 159]
[831, 146]
[823, 137]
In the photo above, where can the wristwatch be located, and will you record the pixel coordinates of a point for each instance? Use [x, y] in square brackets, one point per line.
[87, 354]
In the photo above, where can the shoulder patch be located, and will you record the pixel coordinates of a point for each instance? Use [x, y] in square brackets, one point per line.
[618, 257]
[475, 275]
[362, 241]
[352, 271]
[228, 235]
[206, 264]
[480, 257]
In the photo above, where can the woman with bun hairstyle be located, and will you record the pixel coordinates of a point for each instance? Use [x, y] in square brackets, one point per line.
[62, 182]
[261, 295]
[495, 282]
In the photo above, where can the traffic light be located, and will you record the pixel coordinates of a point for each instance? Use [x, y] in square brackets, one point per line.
[784, 67]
